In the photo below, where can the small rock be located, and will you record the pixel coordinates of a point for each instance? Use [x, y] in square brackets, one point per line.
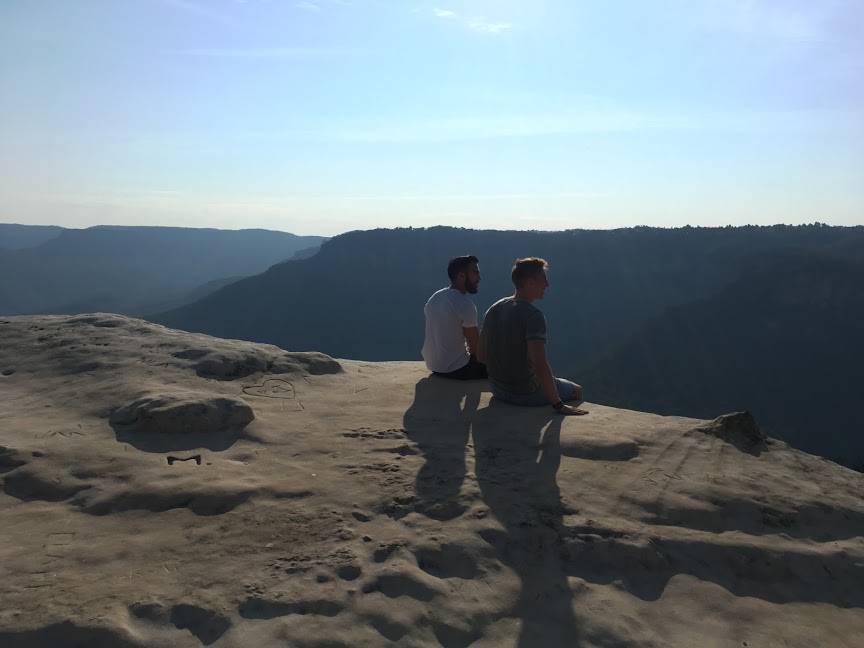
[738, 428]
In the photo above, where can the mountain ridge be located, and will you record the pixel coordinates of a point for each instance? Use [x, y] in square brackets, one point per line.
[133, 270]
[783, 335]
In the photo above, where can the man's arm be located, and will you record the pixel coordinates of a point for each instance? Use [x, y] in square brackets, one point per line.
[472, 336]
[481, 349]
[542, 370]
[543, 373]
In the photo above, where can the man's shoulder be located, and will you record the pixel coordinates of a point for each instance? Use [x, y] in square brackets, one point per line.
[497, 309]
[514, 305]
[501, 303]
[448, 298]
[441, 295]
[455, 297]
[532, 309]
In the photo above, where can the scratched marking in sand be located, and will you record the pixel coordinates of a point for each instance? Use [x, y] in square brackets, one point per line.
[172, 459]
[55, 543]
[54, 549]
[66, 434]
[657, 477]
[272, 388]
[277, 388]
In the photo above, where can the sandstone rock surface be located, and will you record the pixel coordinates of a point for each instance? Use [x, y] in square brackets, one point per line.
[369, 504]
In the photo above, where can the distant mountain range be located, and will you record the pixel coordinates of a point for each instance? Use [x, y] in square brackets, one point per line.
[689, 321]
[130, 270]
[16, 237]
[783, 340]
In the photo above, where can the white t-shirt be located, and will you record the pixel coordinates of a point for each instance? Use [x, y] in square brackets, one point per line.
[448, 311]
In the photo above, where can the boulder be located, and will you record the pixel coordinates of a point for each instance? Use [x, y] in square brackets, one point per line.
[737, 428]
[189, 412]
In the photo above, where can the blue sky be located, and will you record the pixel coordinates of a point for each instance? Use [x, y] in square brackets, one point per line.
[321, 116]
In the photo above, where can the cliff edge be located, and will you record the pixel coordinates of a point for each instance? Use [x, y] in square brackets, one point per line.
[162, 488]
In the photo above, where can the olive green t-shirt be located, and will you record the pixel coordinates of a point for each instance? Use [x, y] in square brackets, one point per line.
[507, 327]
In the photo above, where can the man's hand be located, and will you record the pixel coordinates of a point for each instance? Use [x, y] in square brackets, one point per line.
[569, 410]
[472, 337]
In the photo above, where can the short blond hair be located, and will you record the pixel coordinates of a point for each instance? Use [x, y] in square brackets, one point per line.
[526, 269]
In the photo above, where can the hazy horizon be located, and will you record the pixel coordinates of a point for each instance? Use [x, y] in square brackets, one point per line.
[358, 229]
[326, 116]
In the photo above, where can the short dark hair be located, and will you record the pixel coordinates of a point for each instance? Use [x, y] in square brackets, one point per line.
[459, 264]
[526, 268]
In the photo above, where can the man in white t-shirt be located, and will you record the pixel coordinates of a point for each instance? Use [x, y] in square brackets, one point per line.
[450, 346]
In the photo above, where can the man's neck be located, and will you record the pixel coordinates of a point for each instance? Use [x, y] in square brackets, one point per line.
[461, 290]
[521, 296]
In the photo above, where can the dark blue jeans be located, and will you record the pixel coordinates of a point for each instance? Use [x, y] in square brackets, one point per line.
[566, 392]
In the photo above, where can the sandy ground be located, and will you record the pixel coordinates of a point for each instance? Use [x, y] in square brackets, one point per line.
[168, 489]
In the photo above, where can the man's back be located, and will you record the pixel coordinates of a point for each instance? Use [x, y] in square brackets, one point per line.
[447, 312]
[508, 326]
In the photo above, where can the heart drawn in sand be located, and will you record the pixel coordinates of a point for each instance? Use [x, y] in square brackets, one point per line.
[272, 388]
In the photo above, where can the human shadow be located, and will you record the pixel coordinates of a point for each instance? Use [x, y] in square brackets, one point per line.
[516, 471]
[439, 422]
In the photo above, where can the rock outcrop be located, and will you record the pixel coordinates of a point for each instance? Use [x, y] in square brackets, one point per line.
[164, 489]
[739, 429]
[182, 413]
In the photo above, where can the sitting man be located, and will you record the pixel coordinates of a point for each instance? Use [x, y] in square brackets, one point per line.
[450, 347]
[513, 345]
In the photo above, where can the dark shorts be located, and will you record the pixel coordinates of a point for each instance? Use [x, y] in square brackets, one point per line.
[472, 371]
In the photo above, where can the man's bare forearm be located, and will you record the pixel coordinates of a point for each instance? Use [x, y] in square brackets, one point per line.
[472, 339]
[480, 351]
[547, 382]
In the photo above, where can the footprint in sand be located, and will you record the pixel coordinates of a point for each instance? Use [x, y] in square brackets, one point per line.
[384, 551]
[261, 608]
[395, 585]
[447, 561]
[206, 625]
[380, 435]
[349, 572]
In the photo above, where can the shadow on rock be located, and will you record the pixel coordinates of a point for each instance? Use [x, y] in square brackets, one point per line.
[67, 633]
[439, 422]
[517, 477]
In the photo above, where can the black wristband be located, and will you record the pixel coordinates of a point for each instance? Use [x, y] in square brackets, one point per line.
[558, 406]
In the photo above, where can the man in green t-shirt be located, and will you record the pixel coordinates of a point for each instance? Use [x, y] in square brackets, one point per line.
[513, 345]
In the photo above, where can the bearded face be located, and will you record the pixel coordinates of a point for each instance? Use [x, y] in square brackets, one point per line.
[472, 279]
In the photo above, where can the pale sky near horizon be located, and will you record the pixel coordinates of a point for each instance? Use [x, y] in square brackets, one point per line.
[322, 116]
